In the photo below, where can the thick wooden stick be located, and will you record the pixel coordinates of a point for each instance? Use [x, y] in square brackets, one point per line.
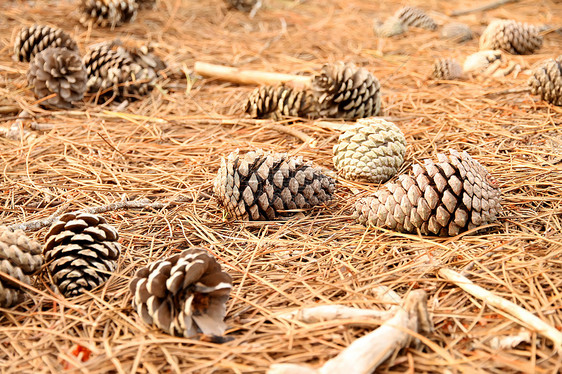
[255, 77]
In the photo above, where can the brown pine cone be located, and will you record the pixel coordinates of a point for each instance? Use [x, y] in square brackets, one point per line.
[107, 13]
[184, 294]
[146, 4]
[511, 36]
[451, 196]
[20, 257]
[57, 71]
[261, 186]
[546, 81]
[37, 38]
[81, 251]
[415, 17]
[446, 69]
[278, 102]
[345, 91]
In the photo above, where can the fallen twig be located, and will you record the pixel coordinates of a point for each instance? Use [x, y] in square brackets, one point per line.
[310, 141]
[493, 5]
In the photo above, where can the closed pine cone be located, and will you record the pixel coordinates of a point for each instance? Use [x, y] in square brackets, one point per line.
[57, 71]
[278, 102]
[446, 69]
[511, 36]
[455, 194]
[20, 257]
[262, 186]
[107, 13]
[372, 151]
[346, 91]
[113, 72]
[546, 81]
[184, 294]
[34, 39]
[415, 17]
[81, 251]
[244, 5]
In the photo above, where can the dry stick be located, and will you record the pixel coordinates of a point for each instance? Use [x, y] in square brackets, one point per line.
[523, 316]
[255, 77]
[308, 140]
[495, 4]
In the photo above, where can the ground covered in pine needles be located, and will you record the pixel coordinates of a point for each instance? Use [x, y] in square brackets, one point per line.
[167, 147]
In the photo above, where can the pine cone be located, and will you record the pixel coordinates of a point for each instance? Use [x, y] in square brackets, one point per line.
[372, 151]
[57, 71]
[278, 102]
[511, 36]
[112, 72]
[415, 17]
[146, 4]
[459, 32]
[391, 27]
[444, 198]
[81, 250]
[547, 81]
[107, 13]
[480, 61]
[183, 294]
[261, 186]
[20, 257]
[144, 57]
[345, 91]
[446, 69]
[34, 39]
[244, 5]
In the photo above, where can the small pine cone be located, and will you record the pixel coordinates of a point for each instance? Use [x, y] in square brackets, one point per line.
[278, 102]
[112, 72]
[547, 81]
[34, 39]
[107, 13]
[262, 186]
[480, 61]
[511, 36]
[451, 196]
[144, 57]
[415, 17]
[184, 294]
[372, 151]
[391, 27]
[345, 91]
[446, 69]
[58, 71]
[456, 31]
[244, 5]
[20, 257]
[81, 250]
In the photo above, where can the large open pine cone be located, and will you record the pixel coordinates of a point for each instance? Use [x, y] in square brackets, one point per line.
[20, 257]
[34, 39]
[57, 71]
[511, 36]
[262, 186]
[81, 250]
[455, 194]
[183, 294]
[415, 17]
[372, 151]
[345, 91]
[107, 13]
[446, 69]
[547, 81]
[278, 102]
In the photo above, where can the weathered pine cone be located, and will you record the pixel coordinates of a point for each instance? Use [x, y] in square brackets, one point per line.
[278, 102]
[57, 71]
[107, 13]
[451, 196]
[20, 257]
[390, 27]
[415, 17]
[184, 294]
[480, 61]
[244, 5]
[144, 57]
[372, 151]
[262, 186]
[111, 72]
[37, 38]
[446, 69]
[346, 91]
[546, 81]
[81, 251]
[459, 32]
[511, 36]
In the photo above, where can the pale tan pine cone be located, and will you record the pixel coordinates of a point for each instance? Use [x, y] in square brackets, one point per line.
[446, 69]
[447, 197]
[511, 36]
[456, 31]
[546, 81]
[34, 39]
[278, 102]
